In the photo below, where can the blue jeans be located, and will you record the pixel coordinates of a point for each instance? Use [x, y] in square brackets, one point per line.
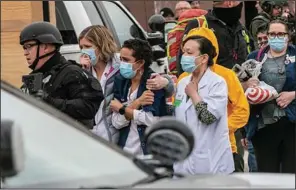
[251, 158]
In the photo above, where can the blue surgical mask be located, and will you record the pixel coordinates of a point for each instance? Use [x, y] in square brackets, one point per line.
[277, 44]
[126, 70]
[92, 55]
[188, 63]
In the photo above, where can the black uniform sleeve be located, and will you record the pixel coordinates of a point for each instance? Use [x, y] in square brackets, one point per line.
[191, 25]
[84, 96]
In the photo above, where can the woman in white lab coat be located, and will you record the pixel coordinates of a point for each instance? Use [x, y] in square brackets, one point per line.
[201, 103]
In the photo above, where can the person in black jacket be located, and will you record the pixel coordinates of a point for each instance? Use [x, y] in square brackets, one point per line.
[230, 33]
[64, 84]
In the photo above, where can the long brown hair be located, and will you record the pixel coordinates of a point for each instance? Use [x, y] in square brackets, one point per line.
[102, 38]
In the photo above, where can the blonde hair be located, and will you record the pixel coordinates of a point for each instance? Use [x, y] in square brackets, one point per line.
[102, 38]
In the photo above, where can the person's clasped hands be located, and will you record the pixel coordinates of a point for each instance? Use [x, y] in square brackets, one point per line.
[147, 98]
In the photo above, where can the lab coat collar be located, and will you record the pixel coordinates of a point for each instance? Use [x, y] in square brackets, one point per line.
[204, 80]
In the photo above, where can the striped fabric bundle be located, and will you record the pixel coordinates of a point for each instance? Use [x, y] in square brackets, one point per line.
[261, 94]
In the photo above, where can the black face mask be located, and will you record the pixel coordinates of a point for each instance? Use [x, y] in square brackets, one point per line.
[229, 15]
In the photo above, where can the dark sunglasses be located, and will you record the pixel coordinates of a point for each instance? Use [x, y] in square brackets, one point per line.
[29, 46]
[278, 35]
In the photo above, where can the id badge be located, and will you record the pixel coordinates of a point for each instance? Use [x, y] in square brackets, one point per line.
[178, 100]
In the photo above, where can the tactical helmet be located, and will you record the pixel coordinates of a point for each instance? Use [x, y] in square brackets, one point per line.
[156, 23]
[43, 32]
[267, 5]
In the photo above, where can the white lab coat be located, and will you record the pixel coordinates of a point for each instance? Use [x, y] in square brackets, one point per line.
[212, 151]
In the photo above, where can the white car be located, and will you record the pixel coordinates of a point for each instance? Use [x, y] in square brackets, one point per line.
[74, 16]
[54, 151]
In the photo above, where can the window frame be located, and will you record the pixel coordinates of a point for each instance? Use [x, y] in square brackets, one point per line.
[110, 24]
[61, 12]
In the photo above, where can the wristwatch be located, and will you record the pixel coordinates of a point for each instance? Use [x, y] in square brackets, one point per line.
[122, 110]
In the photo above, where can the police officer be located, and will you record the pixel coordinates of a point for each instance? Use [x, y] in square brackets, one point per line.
[65, 85]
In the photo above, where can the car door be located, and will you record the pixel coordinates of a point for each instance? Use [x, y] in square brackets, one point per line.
[59, 152]
[121, 21]
[74, 16]
[71, 18]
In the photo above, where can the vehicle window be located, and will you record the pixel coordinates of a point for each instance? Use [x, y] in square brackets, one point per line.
[64, 24]
[92, 13]
[122, 23]
[57, 153]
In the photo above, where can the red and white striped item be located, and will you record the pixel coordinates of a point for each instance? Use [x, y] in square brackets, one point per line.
[258, 95]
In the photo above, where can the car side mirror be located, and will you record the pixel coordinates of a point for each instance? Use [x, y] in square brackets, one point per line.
[12, 149]
[169, 141]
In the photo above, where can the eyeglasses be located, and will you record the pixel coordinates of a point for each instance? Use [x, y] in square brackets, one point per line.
[272, 35]
[29, 46]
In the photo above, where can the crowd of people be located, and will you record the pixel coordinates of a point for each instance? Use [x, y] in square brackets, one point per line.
[115, 94]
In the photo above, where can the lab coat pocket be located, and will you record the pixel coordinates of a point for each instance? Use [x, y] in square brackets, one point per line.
[202, 162]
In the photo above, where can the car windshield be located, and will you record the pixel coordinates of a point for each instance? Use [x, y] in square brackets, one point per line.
[61, 153]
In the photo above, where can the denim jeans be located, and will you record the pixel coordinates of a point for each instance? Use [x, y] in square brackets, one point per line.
[251, 158]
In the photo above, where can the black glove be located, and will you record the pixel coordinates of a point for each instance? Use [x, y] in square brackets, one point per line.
[41, 95]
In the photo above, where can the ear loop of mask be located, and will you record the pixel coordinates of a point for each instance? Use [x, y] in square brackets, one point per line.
[34, 64]
[139, 67]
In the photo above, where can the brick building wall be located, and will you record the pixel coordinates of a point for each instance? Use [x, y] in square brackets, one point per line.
[143, 10]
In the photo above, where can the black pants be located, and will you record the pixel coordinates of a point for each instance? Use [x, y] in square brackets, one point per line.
[239, 163]
[274, 147]
[238, 157]
[240, 148]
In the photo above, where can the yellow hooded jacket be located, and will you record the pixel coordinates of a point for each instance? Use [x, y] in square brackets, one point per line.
[238, 106]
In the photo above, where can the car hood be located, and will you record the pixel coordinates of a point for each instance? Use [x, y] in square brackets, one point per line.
[237, 180]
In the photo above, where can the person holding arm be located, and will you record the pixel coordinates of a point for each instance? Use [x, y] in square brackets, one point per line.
[201, 103]
[134, 106]
[99, 55]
